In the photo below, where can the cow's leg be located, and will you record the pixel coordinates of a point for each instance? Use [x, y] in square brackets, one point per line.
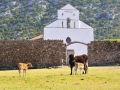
[25, 72]
[80, 70]
[75, 70]
[19, 72]
[71, 69]
[85, 69]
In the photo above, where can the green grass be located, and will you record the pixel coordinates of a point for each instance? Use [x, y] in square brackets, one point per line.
[98, 78]
[117, 40]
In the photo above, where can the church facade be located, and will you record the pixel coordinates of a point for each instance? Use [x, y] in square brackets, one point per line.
[69, 26]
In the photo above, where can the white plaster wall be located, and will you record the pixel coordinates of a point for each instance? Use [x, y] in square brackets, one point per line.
[76, 24]
[82, 35]
[64, 23]
[72, 14]
[78, 48]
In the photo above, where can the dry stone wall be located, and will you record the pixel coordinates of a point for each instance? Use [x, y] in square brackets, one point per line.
[104, 53]
[45, 53]
[41, 53]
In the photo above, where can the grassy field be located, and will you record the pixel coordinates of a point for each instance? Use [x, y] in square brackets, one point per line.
[98, 78]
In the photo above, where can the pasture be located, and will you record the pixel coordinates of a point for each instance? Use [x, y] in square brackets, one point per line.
[98, 78]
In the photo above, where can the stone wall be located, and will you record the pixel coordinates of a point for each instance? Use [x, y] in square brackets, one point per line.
[45, 53]
[41, 53]
[104, 53]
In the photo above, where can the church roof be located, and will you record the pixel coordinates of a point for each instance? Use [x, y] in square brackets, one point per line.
[38, 37]
[82, 25]
[68, 6]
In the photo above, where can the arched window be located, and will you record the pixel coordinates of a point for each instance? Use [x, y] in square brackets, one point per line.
[68, 22]
[74, 24]
[68, 40]
[62, 24]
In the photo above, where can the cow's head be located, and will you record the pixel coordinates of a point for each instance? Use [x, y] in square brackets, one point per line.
[29, 65]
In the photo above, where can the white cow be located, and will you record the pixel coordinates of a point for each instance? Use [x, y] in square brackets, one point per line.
[80, 66]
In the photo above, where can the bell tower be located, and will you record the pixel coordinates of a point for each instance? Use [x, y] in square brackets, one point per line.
[68, 17]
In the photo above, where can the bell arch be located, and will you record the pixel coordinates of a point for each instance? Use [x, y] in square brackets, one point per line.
[77, 42]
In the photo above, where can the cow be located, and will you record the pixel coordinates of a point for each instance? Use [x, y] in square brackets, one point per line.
[81, 58]
[24, 67]
[80, 66]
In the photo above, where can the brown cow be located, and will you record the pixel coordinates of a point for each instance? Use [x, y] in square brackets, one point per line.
[81, 59]
[24, 67]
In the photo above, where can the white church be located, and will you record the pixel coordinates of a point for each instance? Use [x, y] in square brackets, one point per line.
[69, 27]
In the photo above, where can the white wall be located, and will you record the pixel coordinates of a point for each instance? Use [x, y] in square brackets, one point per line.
[81, 32]
[64, 14]
[64, 23]
[82, 35]
[77, 25]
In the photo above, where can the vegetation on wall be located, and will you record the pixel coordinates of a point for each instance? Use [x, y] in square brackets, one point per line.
[25, 19]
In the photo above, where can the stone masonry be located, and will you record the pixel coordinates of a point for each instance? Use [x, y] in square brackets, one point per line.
[46, 53]
[41, 53]
[104, 53]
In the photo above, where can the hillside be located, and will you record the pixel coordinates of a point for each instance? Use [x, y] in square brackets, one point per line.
[25, 19]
